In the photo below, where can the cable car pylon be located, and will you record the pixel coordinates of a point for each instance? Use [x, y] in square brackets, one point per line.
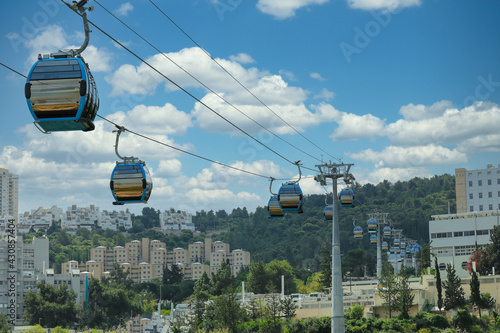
[336, 171]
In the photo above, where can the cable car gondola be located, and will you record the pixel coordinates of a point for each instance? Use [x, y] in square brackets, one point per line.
[385, 245]
[402, 245]
[387, 232]
[290, 195]
[346, 197]
[130, 182]
[61, 94]
[328, 213]
[358, 232]
[372, 225]
[397, 242]
[373, 239]
[273, 207]
[60, 90]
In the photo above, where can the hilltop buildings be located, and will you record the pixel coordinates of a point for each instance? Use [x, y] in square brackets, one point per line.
[145, 260]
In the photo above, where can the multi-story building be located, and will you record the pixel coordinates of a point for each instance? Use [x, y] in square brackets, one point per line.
[73, 218]
[455, 236]
[9, 194]
[176, 221]
[477, 190]
[146, 260]
[19, 265]
[38, 219]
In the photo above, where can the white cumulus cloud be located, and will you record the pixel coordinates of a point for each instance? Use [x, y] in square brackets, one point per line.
[382, 4]
[285, 9]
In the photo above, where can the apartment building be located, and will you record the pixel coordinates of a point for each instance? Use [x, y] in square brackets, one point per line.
[170, 220]
[145, 260]
[9, 194]
[73, 218]
[477, 190]
[455, 236]
[20, 263]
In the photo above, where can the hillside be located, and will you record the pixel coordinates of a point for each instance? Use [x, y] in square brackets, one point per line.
[298, 238]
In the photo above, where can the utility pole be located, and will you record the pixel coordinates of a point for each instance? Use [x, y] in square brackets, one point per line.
[336, 171]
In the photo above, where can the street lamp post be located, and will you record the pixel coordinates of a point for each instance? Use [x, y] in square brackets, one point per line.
[335, 171]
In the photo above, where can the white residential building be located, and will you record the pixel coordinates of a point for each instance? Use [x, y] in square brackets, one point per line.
[73, 218]
[114, 220]
[176, 221]
[478, 190]
[9, 194]
[40, 218]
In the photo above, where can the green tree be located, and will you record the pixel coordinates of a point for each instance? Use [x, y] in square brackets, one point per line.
[388, 290]
[53, 305]
[439, 286]
[111, 302]
[225, 312]
[424, 256]
[203, 287]
[172, 275]
[493, 249]
[223, 279]
[404, 297]
[288, 307]
[325, 264]
[257, 277]
[4, 323]
[277, 268]
[475, 293]
[453, 291]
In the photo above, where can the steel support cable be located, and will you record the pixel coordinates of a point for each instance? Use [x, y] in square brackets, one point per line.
[204, 85]
[241, 84]
[182, 150]
[187, 92]
[190, 94]
[159, 142]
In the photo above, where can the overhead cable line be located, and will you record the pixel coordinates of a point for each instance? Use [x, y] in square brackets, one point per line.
[187, 92]
[241, 84]
[165, 144]
[203, 84]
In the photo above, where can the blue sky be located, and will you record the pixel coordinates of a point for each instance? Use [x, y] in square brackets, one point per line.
[400, 88]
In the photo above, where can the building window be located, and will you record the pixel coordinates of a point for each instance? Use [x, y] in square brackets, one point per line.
[480, 183]
[469, 233]
[489, 181]
[471, 208]
[480, 195]
[480, 208]
[470, 183]
[483, 232]
[490, 207]
[458, 234]
[498, 181]
[490, 194]
[471, 196]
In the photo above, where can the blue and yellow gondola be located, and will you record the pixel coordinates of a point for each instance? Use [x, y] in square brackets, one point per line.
[61, 94]
[130, 183]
